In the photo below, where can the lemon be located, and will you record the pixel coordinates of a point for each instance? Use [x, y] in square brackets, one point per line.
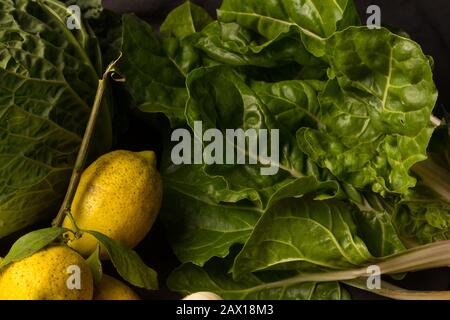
[110, 288]
[54, 273]
[120, 196]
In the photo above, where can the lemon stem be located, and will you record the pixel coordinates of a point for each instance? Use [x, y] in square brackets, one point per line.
[82, 153]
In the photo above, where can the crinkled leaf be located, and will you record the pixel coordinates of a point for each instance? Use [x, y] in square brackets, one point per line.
[299, 233]
[220, 98]
[47, 86]
[30, 243]
[376, 113]
[91, 9]
[421, 218]
[128, 263]
[213, 277]
[232, 44]
[313, 20]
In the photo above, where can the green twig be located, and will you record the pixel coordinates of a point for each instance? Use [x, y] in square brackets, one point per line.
[82, 153]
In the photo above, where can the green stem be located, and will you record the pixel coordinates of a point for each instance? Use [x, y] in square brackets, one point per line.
[82, 153]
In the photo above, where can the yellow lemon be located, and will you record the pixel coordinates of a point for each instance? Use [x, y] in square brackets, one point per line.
[54, 273]
[120, 196]
[110, 288]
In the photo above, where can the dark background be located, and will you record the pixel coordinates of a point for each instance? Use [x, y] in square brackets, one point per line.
[426, 21]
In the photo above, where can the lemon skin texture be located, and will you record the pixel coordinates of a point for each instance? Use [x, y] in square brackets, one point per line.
[45, 276]
[119, 195]
[110, 288]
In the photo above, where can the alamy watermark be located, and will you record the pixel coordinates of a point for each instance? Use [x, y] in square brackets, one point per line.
[374, 278]
[74, 19]
[374, 19]
[73, 281]
[236, 146]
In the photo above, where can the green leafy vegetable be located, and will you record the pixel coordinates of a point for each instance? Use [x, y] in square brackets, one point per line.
[297, 234]
[376, 113]
[189, 278]
[352, 107]
[221, 99]
[423, 219]
[313, 20]
[152, 78]
[185, 20]
[48, 84]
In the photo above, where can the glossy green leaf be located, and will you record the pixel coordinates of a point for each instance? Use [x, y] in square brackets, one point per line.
[221, 98]
[185, 20]
[180, 33]
[30, 243]
[379, 233]
[298, 233]
[232, 44]
[376, 113]
[313, 20]
[128, 263]
[202, 216]
[189, 279]
[199, 230]
[152, 78]
[95, 265]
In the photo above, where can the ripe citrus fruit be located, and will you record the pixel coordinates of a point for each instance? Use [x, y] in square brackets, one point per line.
[120, 196]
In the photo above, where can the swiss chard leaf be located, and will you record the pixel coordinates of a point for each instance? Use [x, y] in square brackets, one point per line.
[376, 226]
[152, 78]
[180, 32]
[376, 113]
[155, 67]
[313, 20]
[185, 20]
[213, 277]
[199, 230]
[202, 215]
[221, 98]
[232, 44]
[421, 218]
[298, 234]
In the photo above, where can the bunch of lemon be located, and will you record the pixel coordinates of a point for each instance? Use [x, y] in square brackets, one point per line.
[118, 195]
